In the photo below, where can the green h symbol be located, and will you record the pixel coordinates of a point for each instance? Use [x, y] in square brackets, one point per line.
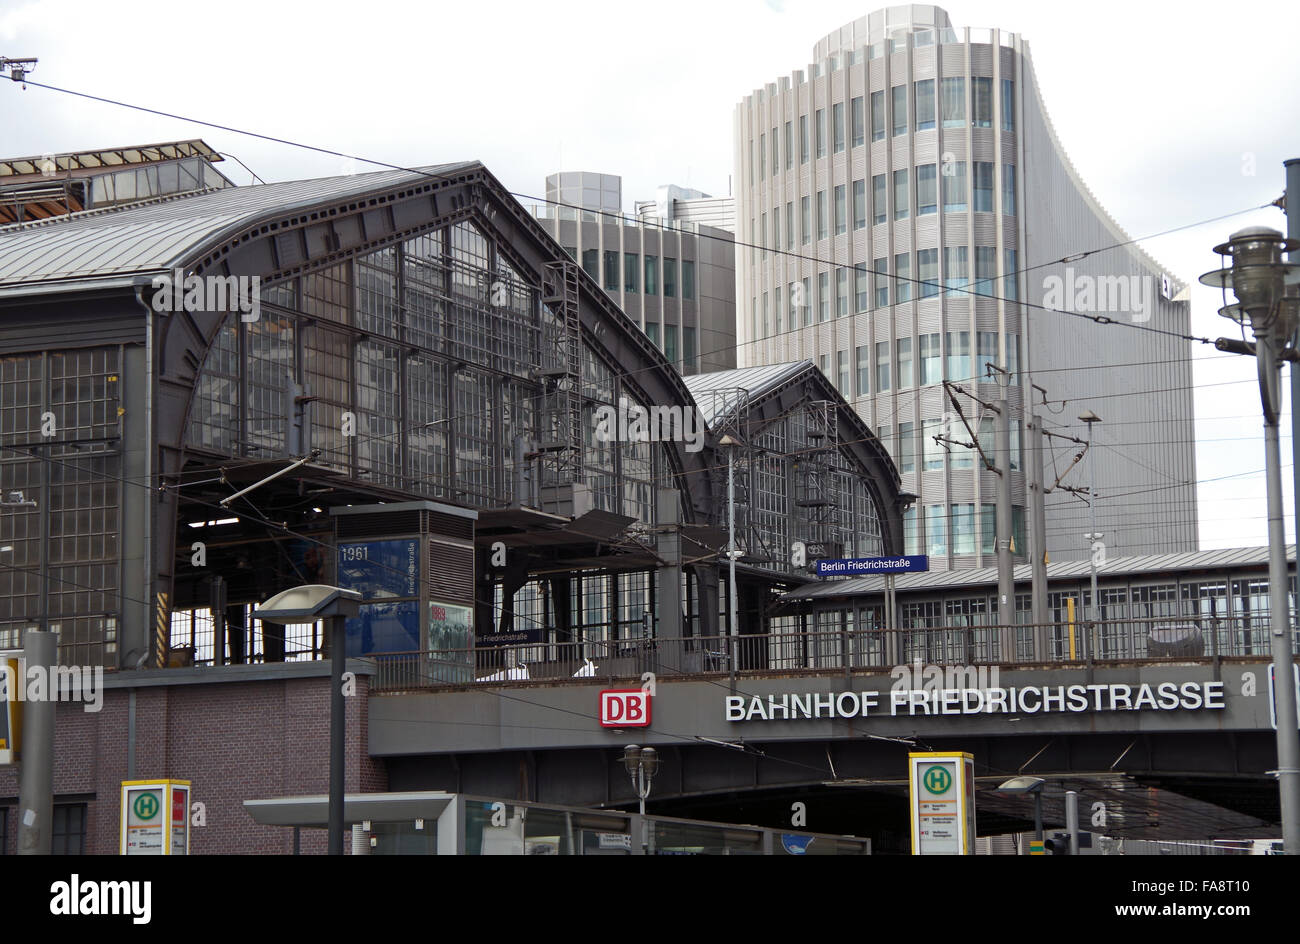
[937, 780]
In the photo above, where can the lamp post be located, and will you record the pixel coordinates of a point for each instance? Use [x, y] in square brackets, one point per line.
[1090, 417]
[1259, 278]
[306, 604]
[1033, 785]
[642, 763]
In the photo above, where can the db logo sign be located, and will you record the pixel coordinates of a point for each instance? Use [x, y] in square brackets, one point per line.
[624, 708]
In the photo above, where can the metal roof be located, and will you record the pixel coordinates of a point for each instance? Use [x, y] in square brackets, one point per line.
[712, 391]
[1062, 570]
[106, 158]
[121, 244]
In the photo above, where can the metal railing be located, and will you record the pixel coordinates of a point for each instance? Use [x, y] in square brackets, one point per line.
[1164, 639]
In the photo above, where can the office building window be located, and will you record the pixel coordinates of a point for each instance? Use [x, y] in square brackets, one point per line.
[776, 154]
[670, 343]
[936, 527]
[958, 355]
[902, 278]
[837, 126]
[789, 145]
[841, 292]
[824, 365]
[981, 94]
[861, 290]
[954, 187]
[857, 118]
[803, 139]
[931, 452]
[881, 269]
[823, 296]
[842, 374]
[767, 325]
[911, 532]
[878, 116]
[899, 95]
[822, 223]
[1013, 359]
[762, 155]
[776, 310]
[954, 102]
[882, 366]
[986, 352]
[806, 303]
[879, 204]
[611, 271]
[864, 370]
[841, 211]
[905, 376]
[762, 242]
[591, 263]
[963, 528]
[688, 348]
[819, 129]
[931, 365]
[1009, 189]
[901, 199]
[1008, 105]
[652, 328]
[572, 251]
[983, 172]
[988, 528]
[1009, 280]
[68, 829]
[805, 219]
[859, 204]
[927, 271]
[986, 263]
[631, 264]
[956, 273]
[652, 275]
[924, 104]
[789, 225]
[776, 227]
[906, 448]
[795, 294]
[688, 279]
[927, 190]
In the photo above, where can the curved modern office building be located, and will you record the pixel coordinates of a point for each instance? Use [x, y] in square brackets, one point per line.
[902, 204]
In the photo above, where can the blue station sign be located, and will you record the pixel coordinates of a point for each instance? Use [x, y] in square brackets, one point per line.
[866, 566]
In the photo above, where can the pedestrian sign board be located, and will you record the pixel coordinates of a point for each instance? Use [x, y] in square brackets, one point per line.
[942, 800]
[155, 817]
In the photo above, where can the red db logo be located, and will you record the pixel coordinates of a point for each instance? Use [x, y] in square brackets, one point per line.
[624, 708]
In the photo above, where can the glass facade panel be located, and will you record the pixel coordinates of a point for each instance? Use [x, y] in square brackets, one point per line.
[925, 105]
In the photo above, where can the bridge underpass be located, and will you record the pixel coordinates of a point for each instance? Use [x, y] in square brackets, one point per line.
[1176, 773]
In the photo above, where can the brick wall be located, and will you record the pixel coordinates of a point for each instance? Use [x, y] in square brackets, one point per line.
[233, 740]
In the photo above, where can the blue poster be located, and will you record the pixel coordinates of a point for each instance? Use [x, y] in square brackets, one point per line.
[381, 569]
[389, 626]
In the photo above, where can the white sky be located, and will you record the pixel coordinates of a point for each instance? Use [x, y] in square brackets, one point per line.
[1164, 108]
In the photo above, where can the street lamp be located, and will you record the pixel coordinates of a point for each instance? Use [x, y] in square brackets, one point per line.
[306, 604]
[1034, 785]
[1259, 279]
[642, 763]
[1090, 417]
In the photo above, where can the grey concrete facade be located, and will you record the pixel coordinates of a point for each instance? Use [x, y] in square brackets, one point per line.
[673, 276]
[900, 207]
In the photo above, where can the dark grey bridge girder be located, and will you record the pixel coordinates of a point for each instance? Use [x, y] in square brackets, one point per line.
[277, 245]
